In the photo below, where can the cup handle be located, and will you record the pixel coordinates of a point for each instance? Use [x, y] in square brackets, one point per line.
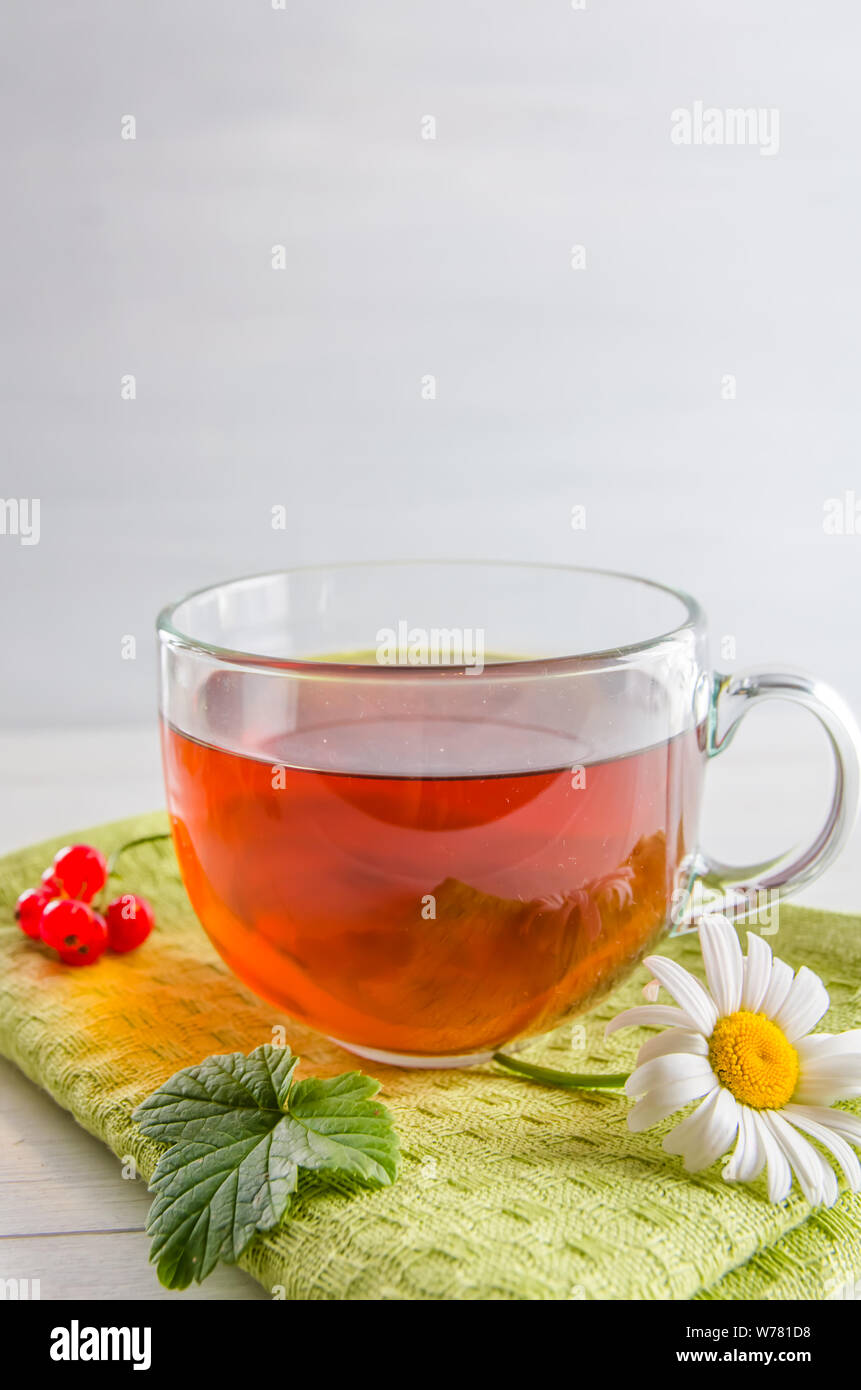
[734, 890]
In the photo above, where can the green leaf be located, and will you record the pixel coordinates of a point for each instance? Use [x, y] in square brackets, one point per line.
[240, 1132]
[230, 1089]
[212, 1198]
[337, 1128]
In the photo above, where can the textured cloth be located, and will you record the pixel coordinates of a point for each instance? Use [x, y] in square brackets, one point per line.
[508, 1190]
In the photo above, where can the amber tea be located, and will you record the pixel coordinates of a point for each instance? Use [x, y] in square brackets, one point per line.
[430, 915]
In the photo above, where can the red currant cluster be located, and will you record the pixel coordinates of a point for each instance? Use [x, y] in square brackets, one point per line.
[61, 912]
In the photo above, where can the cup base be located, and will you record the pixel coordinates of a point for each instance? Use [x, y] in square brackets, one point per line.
[404, 1059]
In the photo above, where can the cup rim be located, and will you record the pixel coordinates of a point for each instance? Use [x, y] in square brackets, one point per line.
[693, 622]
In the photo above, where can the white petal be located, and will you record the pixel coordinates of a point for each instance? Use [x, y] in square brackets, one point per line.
[779, 1171]
[661, 1102]
[829, 1189]
[817, 1046]
[674, 1040]
[829, 1179]
[824, 1080]
[678, 1139]
[830, 1067]
[748, 1159]
[804, 1005]
[650, 1016]
[662, 1070]
[779, 986]
[829, 1186]
[723, 961]
[809, 1166]
[711, 1131]
[730, 1172]
[838, 1121]
[687, 991]
[757, 973]
[721, 1132]
[829, 1139]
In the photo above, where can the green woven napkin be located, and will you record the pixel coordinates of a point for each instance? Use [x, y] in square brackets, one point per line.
[508, 1190]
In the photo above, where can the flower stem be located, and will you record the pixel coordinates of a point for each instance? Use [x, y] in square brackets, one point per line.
[570, 1081]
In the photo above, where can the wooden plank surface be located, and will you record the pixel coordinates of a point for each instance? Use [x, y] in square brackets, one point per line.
[67, 1215]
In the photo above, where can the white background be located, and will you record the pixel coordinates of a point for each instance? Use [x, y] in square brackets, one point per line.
[302, 127]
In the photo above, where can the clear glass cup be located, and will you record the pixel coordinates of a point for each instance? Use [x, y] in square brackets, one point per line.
[431, 808]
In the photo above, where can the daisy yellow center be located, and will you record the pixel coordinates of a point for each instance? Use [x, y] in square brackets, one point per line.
[754, 1060]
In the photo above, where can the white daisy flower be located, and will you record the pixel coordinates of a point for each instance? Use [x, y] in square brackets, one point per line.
[744, 1050]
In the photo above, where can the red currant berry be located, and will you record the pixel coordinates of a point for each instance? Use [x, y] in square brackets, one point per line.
[130, 919]
[52, 883]
[74, 930]
[29, 909]
[81, 871]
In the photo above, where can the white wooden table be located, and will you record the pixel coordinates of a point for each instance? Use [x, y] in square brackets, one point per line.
[67, 1218]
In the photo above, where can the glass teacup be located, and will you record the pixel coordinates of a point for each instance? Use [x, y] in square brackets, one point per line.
[432, 808]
